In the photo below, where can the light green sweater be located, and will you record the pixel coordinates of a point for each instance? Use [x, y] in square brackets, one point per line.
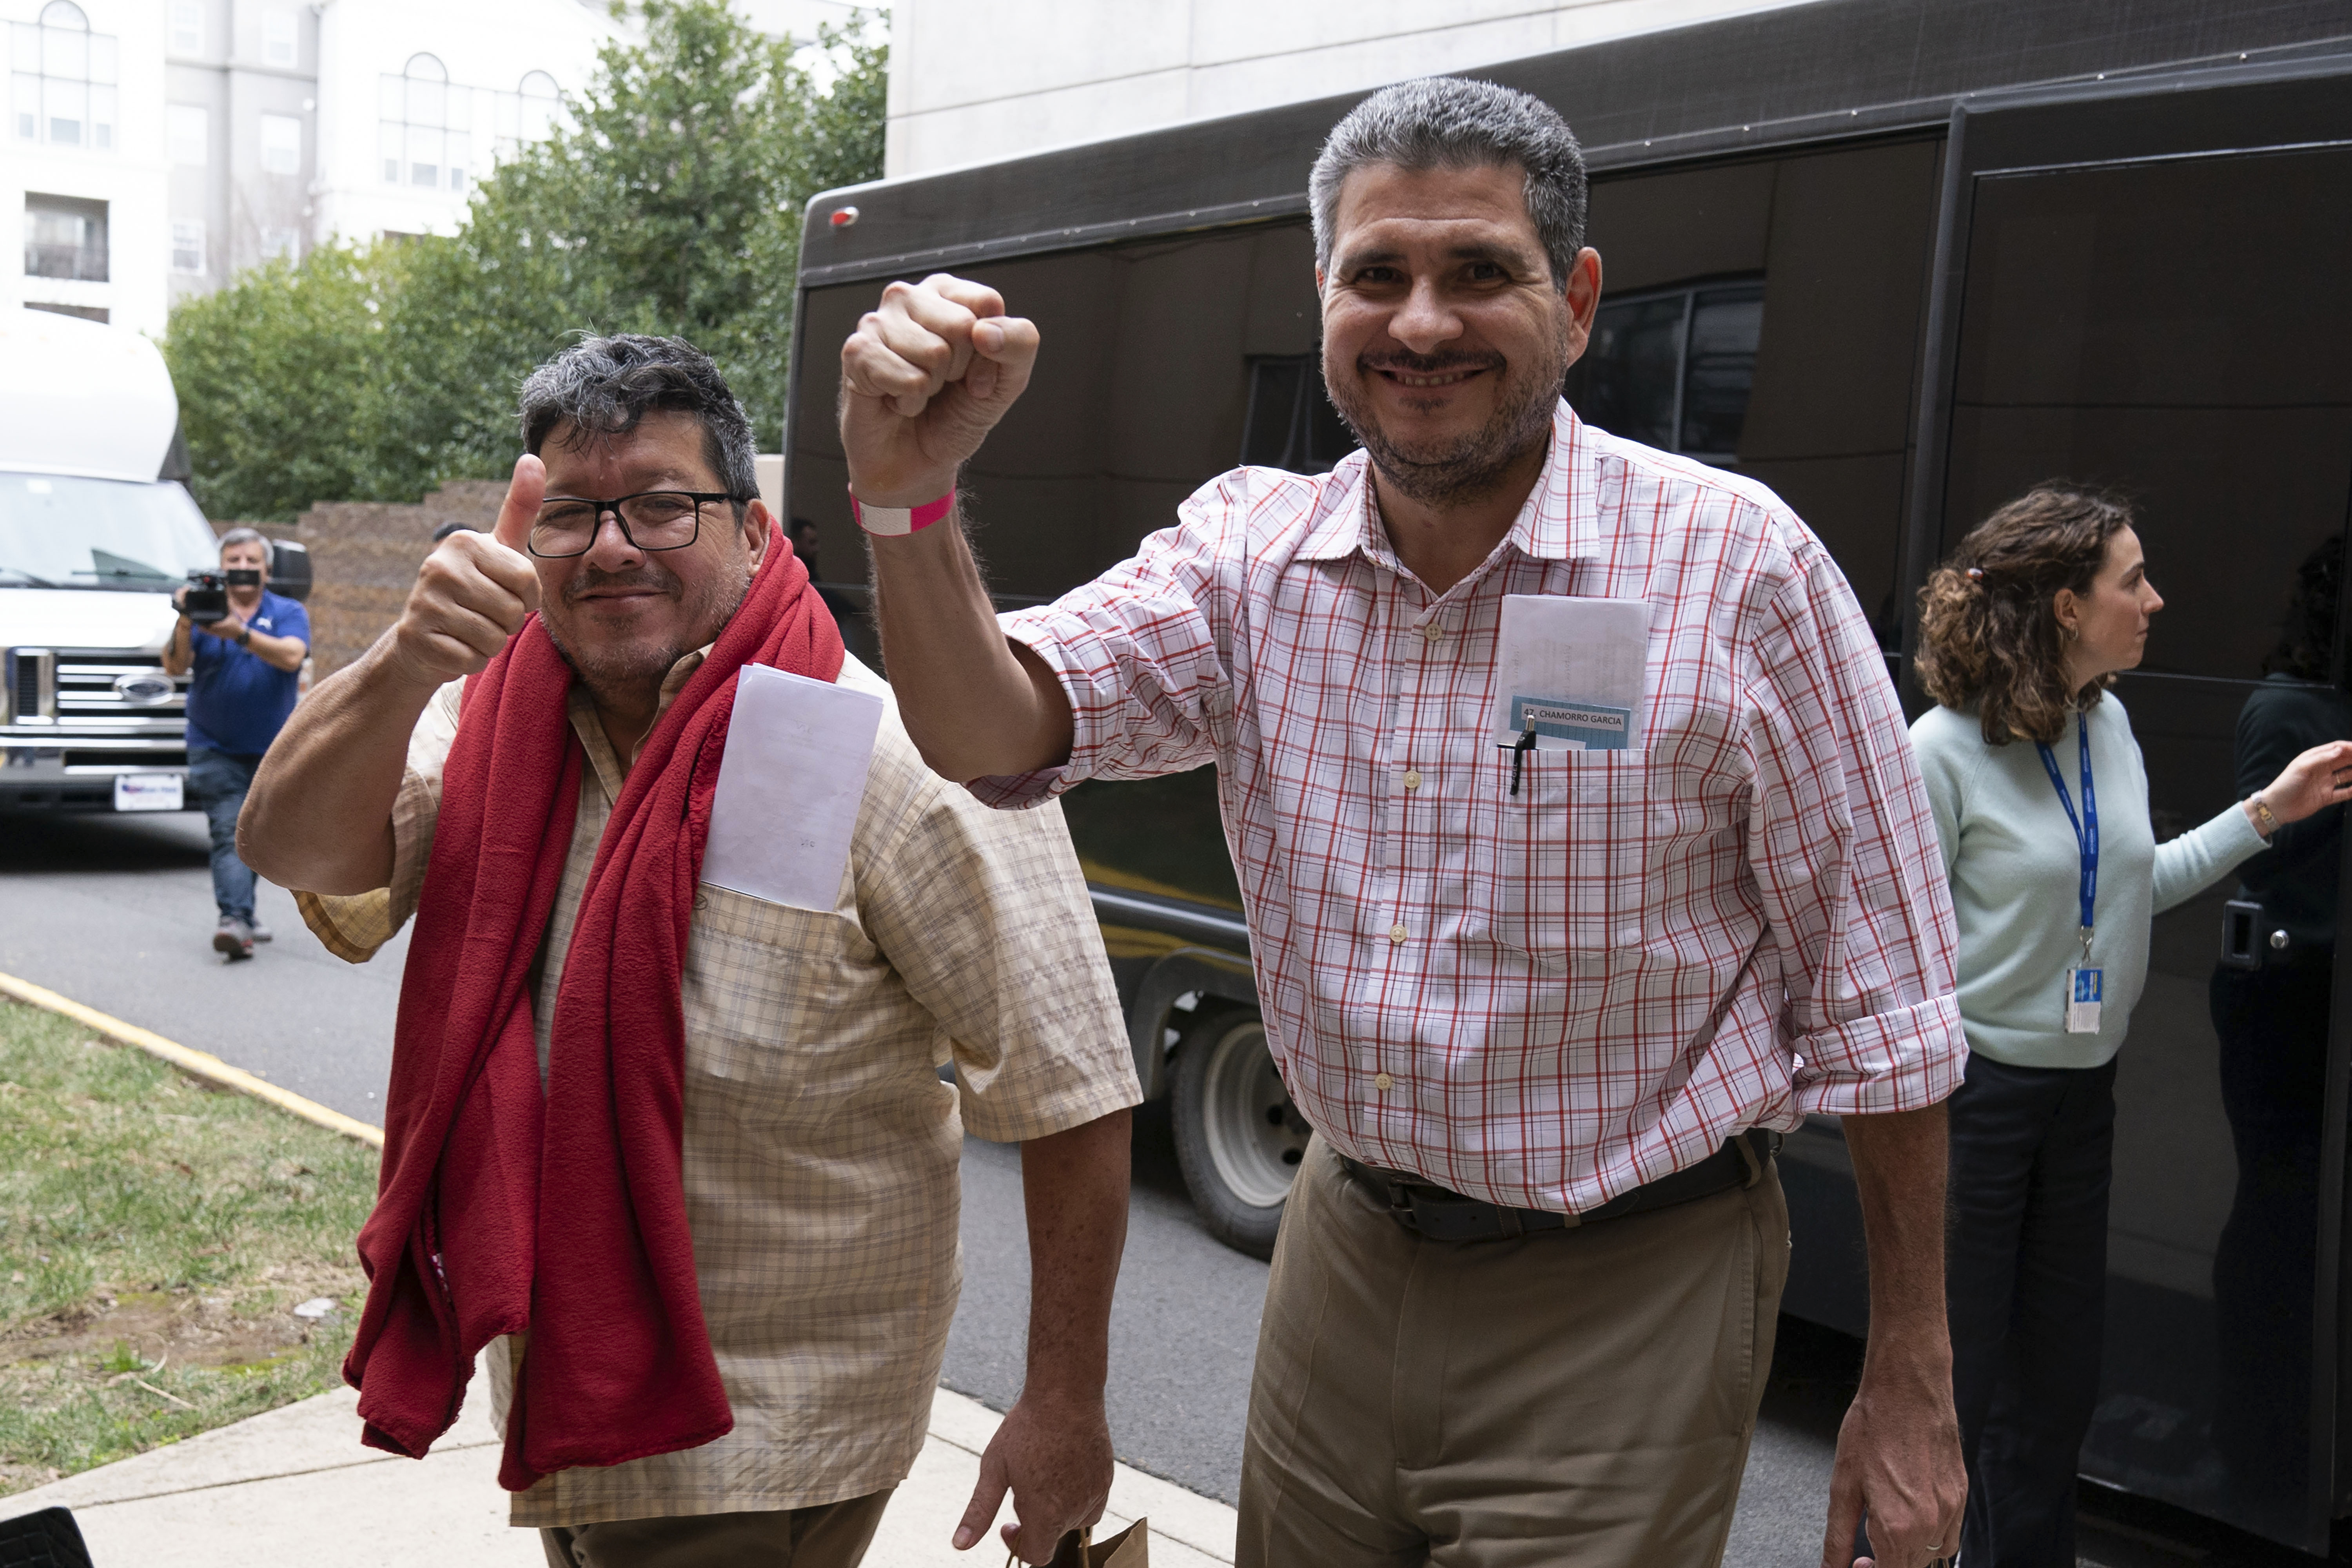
[2014, 869]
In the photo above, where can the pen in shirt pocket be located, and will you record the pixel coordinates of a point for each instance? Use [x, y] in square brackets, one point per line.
[1518, 750]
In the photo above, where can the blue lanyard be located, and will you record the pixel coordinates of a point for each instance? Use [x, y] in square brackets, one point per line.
[2086, 831]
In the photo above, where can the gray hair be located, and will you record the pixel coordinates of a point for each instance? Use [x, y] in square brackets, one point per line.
[244, 536]
[606, 386]
[1445, 122]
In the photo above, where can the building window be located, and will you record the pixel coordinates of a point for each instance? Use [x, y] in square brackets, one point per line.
[530, 114]
[277, 38]
[280, 245]
[187, 26]
[65, 236]
[188, 248]
[424, 128]
[61, 80]
[86, 312]
[189, 131]
[281, 144]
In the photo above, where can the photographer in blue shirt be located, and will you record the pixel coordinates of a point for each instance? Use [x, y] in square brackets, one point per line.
[248, 669]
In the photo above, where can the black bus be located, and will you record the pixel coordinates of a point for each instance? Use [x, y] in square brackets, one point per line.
[1898, 259]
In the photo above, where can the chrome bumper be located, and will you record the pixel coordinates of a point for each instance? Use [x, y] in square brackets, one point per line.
[36, 775]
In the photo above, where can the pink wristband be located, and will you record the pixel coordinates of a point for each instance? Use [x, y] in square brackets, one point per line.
[890, 522]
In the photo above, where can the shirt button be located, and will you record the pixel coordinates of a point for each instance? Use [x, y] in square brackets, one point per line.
[1396, 932]
[1383, 1082]
[1432, 630]
[1413, 778]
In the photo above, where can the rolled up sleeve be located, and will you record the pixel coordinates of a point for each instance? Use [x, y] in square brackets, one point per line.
[1138, 653]
[985, 917]
[354, 926]
[1844, 848]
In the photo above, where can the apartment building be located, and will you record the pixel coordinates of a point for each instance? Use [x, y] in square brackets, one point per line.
[158, 146]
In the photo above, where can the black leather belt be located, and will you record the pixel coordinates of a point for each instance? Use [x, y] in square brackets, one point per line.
[1440, 1214]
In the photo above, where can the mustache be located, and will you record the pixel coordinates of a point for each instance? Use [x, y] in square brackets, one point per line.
[591, 578]
[1428, 364]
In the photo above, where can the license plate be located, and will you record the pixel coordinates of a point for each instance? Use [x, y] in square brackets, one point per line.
[150, 793]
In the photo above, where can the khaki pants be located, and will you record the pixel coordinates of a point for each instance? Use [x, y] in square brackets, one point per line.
[832, 1535]
[1579, 1396]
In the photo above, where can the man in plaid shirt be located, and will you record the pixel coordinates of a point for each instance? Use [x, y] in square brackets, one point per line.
[1543, 1008]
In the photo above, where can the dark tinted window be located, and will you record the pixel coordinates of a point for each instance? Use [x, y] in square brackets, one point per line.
[2180, 331]
[1160, 365]
[1149, 370]
[1764, 317]
[1674, 369]
[1291, 425]
[1719, 368]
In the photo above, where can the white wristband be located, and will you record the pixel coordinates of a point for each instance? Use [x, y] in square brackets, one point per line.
[893, 522]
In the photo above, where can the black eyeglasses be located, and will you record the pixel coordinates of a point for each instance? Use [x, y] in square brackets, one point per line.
[650, 521]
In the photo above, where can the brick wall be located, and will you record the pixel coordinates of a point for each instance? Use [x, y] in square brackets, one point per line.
[364, 560]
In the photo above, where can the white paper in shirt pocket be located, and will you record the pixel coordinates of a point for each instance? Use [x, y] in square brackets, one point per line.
[789, 786]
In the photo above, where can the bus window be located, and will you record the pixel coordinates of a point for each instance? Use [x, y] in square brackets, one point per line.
[1673, 368]
[1291, 423]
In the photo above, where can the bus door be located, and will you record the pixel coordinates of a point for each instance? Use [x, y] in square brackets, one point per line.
[2143, 287]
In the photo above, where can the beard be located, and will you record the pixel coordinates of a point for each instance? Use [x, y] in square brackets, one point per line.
[621, 669]
[1456, 469]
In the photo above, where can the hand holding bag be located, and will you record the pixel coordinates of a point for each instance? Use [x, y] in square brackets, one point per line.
[1130, 1548]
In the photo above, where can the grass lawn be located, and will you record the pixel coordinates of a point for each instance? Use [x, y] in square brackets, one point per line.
[155, 1235]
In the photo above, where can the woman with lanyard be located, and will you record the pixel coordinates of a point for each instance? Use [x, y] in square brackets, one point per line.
[2040, 802]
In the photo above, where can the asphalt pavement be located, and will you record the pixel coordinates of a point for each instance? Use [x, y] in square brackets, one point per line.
[116, 912]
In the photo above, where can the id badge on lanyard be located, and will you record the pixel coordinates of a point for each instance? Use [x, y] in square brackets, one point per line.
[2086, 986]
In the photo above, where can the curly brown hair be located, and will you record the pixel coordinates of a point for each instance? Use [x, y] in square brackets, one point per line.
[1989, 634]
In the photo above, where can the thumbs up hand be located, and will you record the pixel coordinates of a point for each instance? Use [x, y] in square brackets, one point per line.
[473, 591]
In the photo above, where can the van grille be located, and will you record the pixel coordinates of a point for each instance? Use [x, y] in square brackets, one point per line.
[24, 685]
[73, 689]
[86, 688]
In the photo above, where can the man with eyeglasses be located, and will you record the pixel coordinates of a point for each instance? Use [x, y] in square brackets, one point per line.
[681, 1158]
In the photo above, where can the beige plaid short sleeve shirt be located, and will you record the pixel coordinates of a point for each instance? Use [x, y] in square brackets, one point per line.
[821, 1145]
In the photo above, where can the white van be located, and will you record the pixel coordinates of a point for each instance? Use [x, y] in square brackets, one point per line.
[96, 530]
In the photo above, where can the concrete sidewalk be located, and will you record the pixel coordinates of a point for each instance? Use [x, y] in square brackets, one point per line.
[294, 1488]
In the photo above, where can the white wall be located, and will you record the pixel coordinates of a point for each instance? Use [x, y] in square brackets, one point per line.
[974, 80]
[131, 178]
[485, 48]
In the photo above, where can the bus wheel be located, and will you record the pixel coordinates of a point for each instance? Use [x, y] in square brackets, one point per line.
[1238, 1139]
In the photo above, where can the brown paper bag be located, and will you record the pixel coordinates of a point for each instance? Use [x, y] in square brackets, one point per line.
[1130, 1548]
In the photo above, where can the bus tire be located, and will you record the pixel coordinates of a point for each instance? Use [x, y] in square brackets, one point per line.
[1238, 1139]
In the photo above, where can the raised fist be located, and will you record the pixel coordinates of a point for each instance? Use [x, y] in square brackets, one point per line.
[923, 381]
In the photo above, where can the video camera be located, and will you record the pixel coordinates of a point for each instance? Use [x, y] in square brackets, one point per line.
[206, 603]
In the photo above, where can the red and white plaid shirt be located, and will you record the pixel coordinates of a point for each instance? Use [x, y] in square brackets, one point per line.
[1543, 999]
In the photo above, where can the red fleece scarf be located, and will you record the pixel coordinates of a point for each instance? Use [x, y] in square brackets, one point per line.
[498, 1208]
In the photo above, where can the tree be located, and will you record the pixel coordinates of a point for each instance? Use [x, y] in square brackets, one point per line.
[672, 203]
[273, 381]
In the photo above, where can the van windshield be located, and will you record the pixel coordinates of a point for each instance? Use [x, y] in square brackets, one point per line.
[60, 531]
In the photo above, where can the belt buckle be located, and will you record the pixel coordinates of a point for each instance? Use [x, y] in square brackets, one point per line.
[1751, 1157]
[1394, 1193]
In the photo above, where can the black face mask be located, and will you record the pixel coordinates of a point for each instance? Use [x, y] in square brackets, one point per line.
[242, 576]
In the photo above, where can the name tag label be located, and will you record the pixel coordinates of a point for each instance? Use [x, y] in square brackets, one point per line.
[1581, 726]
[2085, 989]
[790, 784]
